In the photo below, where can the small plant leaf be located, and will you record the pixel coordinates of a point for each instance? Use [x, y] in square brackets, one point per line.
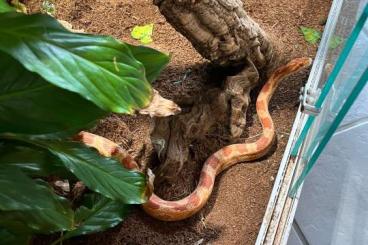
[96, 214]
[311, 35]
[143, 33]
[146, 40]
[31, 105]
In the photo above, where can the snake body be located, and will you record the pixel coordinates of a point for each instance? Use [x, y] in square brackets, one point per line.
[217, 162]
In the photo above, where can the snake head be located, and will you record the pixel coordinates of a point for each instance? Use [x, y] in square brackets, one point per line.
[299, 63]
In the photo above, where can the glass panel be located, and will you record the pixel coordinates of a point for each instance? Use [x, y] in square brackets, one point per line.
[343, 85]
[346, 19]
[342, 17]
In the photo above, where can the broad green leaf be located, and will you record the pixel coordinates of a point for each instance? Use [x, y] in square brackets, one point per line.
[33, 161]
[96, 214]
[25, 202]
[311, 35]
[143, 33]
[100, 174]
[335, 41]
[30, 105]
[19, 192]
[5, 7]
[99, 68]
[9, 238]
[154, 61]
[103, 175]
[41, 221]
[9, 220]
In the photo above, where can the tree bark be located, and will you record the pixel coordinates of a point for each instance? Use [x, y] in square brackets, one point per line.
[220, 30]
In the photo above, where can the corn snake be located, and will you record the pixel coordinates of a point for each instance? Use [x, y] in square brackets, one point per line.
[216, 163]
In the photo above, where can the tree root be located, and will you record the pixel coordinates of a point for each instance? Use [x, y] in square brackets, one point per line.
[237, 89]
[173, 136]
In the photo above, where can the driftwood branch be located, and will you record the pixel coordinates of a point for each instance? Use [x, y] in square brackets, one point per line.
[222, 32]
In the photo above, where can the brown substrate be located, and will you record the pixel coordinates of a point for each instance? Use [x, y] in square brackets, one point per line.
[235, 211]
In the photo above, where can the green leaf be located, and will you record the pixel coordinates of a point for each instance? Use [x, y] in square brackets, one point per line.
[311, 35]
[154, 61]
[143, 33]
[25, 202]
[19, 192]
[335, 41]
[99, 68]
[33, 161]
[11, 221]
[5, 7]
[41, 221]
[9, 238]
[103, 175]
[30, 105]
[35, 221]
[96, 214]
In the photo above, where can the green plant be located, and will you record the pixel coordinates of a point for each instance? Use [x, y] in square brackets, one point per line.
[311, 35]
[143, 33]
[54, 83]
[5, 7]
